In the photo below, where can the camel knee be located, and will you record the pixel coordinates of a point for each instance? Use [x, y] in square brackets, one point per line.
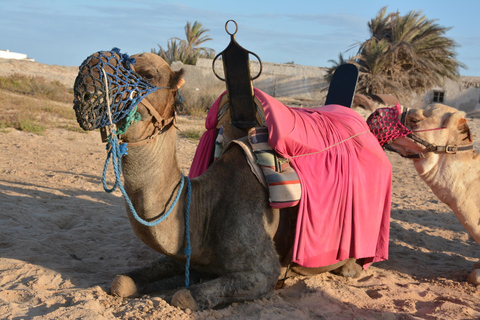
[123, 286]
[348, 268]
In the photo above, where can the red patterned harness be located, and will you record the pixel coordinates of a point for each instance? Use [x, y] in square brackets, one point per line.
[385, 124]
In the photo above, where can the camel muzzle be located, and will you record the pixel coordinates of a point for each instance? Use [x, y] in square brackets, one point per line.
[107, 84]
[388, 124]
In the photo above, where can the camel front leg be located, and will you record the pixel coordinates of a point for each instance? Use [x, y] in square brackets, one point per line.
[162, 274]
[235, 287]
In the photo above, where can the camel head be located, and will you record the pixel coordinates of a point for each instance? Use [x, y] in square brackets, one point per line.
[436, 128]
[112, 87]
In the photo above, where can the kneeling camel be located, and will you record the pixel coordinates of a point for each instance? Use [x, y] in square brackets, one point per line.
[238, 242]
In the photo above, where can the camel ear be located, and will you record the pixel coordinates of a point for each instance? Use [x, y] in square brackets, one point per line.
[464, 129]
[458, 122]
[180, 83]
[454, 119]
[176, 80]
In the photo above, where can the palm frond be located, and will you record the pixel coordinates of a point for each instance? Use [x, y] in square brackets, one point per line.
[404, 55]
[187, 51]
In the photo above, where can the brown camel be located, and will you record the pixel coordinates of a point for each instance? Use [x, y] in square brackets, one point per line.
[238, 242]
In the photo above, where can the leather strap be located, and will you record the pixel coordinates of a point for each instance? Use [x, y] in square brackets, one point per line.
[160, 124]
[430, 147]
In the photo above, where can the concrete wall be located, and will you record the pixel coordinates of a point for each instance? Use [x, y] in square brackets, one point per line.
[281, 80]
[307, 83]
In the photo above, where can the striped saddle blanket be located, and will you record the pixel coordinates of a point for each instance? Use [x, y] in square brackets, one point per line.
[283, 183]
[273, 171]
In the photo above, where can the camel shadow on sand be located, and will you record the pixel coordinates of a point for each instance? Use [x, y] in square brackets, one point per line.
[418, 249]
[86, 237]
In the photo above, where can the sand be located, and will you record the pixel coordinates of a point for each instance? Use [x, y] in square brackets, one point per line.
[63, 239]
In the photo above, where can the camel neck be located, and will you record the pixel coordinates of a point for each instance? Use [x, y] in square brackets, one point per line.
[152, 163]
[152, 174]
[152, 180]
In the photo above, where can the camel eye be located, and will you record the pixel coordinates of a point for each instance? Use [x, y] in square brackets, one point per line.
[148, 77]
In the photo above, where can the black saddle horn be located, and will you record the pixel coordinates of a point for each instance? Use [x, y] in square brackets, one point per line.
[238, 81]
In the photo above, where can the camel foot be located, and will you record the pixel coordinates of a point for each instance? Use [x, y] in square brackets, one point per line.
[474, 277]
[351, 269]
[123, 286]
[183, 299]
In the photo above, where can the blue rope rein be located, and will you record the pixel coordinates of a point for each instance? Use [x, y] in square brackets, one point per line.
[115, 151]
[188, 248]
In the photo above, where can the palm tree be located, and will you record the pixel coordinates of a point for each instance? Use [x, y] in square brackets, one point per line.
[195, 35]
[188, 51]
[335, 65]
[173, 53]
[404, 55]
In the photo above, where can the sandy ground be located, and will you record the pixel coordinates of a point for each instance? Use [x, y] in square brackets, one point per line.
[63, 239]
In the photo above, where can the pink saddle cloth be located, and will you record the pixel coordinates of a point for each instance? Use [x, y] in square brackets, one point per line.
[345, 175]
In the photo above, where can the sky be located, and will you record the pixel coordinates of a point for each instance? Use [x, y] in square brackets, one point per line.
[307, 32]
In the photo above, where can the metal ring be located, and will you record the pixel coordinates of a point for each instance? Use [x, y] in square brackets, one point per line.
[261, 66]
[213, 67]
[226, 27]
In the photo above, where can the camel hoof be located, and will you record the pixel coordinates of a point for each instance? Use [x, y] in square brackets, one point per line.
[123, 286]
[183, 299]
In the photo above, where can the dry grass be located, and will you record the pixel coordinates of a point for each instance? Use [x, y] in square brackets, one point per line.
[37, 87]
[34, 104]
[197, 101]
[199, 92]
[191, 127]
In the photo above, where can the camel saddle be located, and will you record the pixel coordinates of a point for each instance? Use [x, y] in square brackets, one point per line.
[344, 173]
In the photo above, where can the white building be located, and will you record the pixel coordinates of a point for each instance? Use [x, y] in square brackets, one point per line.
[463, 95]
[7, 54]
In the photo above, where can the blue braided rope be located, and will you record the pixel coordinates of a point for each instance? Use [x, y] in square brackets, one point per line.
[188, 249]
[116, 155]
[116, 152]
